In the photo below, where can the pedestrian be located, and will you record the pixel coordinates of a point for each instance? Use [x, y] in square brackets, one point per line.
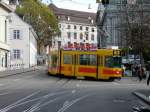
[148, 69]
[138, 72]
[133, 70]
[143, 75]
[148, 80]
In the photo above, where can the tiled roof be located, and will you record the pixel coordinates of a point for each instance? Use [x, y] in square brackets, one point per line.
[74, 16]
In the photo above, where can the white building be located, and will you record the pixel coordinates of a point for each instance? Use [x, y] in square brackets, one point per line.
[77, 27]
[23, 43]
[4, 23]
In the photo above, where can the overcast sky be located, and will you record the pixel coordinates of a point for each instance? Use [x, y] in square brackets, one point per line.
[81, 5]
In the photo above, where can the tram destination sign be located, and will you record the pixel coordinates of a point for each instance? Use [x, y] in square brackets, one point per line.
[80, 47]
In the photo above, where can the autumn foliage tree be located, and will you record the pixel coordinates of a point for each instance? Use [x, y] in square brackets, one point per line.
[41, 18]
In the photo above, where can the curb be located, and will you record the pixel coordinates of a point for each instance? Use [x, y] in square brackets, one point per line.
[142, 97]
[17, 73]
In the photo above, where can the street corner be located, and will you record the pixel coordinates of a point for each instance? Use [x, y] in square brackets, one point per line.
[143, 95]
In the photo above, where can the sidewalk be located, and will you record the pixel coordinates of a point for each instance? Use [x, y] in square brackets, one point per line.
[144, 95]
[20, 71]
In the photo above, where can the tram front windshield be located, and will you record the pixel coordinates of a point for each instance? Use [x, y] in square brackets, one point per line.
[113, 62]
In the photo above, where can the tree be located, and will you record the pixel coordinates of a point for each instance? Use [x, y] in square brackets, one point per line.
[137, 23]
[41, 18]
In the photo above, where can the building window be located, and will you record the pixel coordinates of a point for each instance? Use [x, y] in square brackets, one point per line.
[75, 27]
[69, 27]
[81, 28]
[75, 35]
[16, 54]
[81, 36]
[92, 29]
[69, 35]
[69, 43]
[5, 31]
[59, 35]
[59, 25]
[87, 28]
[87, 36]
[92, 37]
[16, 34]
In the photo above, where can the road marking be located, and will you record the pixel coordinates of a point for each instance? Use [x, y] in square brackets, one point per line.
[18, 103]
[115, 83]
[38, 105]
[69, 104]
[16, 79]
[7, 108]
[119, 101]
[77, 85]
[1, 84]
[4, 93]
[73, 91]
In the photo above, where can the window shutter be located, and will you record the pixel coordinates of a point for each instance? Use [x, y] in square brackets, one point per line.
[21, 34]
[12, 54]
[11, 36]
[21, 54]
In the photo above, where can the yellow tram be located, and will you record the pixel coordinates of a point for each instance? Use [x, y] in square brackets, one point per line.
[99, 64]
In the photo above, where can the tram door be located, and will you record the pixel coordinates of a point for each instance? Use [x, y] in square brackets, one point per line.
[100, 66]
[67, 63]
[86, 65]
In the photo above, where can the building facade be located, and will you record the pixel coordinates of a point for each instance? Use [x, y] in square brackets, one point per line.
[76, 27]
[110, 24]
[23, 43]
[117, 16]
[4, 24]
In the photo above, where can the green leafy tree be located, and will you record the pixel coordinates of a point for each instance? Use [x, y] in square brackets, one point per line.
[41, 18]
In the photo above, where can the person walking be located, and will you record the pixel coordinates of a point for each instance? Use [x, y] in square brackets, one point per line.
[148, 80]
[138, 72]
[148, 69]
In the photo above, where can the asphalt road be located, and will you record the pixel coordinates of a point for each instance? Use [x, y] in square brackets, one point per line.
[38, 92]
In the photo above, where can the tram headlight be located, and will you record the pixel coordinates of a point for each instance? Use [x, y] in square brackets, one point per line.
[117, 72]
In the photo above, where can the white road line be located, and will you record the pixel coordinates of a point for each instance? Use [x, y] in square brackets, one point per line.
[17, 102]
[16, 79]
[115, 83]
[14, 105]
[68, 105]
[77, 85]
[1, 84]
[73, 91]
[38, 105]
[4, 93]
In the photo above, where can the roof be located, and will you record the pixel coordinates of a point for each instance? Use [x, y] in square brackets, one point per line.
[74, 16]
[6, 7]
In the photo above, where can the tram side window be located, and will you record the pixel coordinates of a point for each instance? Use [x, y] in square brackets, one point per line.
[108, 62]
[67, 59]
[88, 59]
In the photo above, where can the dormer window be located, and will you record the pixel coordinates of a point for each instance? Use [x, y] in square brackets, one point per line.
[89, 17]
[92, 21]
[68, 18]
